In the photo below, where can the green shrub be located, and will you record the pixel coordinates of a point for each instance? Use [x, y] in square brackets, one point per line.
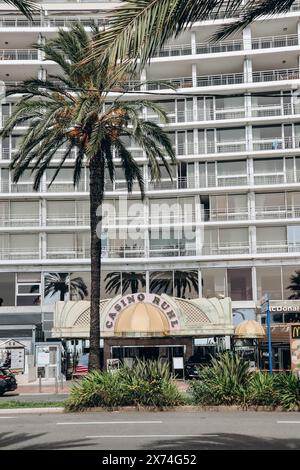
[261, 390]
[224, 382]
[145, 384]
[95, 389]
[287, 388]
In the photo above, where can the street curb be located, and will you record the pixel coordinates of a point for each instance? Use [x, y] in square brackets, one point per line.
[24, 411]
[186, 409]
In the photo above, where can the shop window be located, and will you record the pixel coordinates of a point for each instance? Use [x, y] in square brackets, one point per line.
[7, 289]
[111, 284]
[239, 284]
[28, 289]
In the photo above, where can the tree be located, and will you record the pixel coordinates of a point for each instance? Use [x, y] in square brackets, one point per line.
[295, 286]
[130, 280]
[139, 27]
[184, 282]
[62, 283]
[27, 7]
[69, 111]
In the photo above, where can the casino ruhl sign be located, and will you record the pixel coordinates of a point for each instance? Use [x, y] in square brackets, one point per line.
[134, 299]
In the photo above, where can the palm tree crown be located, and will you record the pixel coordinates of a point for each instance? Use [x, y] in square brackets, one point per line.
[70, 112]
[139, 27]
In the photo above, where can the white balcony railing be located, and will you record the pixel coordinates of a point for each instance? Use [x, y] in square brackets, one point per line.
[19, 54]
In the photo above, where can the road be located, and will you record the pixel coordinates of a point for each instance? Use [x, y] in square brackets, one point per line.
[151, 431]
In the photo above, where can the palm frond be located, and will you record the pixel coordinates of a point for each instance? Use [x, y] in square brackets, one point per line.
[253, 9]
[27, 7]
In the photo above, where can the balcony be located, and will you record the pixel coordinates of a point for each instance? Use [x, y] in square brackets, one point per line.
[280, 246]
[159, 251]
[276, 144]
[19, 54]
[216, 215]
[277, 212]
[49, 22]
[226, 249]
[18, 253]
[275, 75]
[274, 41]
[68, 253]
[68, 220]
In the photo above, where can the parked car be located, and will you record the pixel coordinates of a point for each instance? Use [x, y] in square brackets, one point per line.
[191, 371]
[8, 381]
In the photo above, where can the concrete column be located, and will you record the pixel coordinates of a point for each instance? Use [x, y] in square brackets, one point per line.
[251, 205]
[143, 78]
[252, 239]
[247, 38]
[254, 284]
[193, 43]
[43, 245]
[250, 171]
[248, 106]
[194, 75]
[248, 70]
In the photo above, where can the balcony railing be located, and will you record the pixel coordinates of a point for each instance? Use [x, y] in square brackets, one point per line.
[238, 248]
[18, 253]
[278, 246]
[215, 215]
[65, 220]
[51, 22]
[277, 212]
[275, 75]
[158, 251]
[19, 54]
[275, 41]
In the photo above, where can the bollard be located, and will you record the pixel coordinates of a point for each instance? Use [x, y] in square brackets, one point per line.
[56, 385]
[61, 382]
[40, 384]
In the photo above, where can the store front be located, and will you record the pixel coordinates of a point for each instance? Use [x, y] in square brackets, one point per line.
[147, 326]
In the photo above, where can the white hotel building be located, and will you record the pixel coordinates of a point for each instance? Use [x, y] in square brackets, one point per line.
[235, 123]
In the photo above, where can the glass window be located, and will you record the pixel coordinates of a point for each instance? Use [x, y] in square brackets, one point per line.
[271, 165]
[269, 282]
[80, 286]
[111, 284]
[186, 284]
[56, 287]
[214, 282]
[133, 282]
[161, 282]
[238, 167]
[271, 234]
[239, 284]
[291, 282]
[7, 289]
[293, 234]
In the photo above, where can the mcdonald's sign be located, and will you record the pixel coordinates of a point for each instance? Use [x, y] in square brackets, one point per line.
[295, 331]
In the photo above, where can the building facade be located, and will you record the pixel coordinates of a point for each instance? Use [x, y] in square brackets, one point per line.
[234, 200]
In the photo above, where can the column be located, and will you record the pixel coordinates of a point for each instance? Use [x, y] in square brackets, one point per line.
[193, 43]
[251, 205]
[247, 38]
[248, 70]
[194, 75]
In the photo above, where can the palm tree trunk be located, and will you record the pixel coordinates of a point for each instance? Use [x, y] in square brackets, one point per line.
[96, 177]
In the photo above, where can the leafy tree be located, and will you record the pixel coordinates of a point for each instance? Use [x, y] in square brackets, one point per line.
[69, 111]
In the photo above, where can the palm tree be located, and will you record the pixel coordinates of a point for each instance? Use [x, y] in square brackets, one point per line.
[130, 280]
[184, 281]
[62, 283]
[27, 7]
[295, 286]
[139, 27]
[68, 111]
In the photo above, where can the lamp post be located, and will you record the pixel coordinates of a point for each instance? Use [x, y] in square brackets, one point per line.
[265, 306]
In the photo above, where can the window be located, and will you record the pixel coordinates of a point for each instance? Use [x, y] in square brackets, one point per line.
[287, 273]
[214, 282]
[186, 285]
[56, 287]
[268, 281]
[7, 289]
[239, 284]
[161, 282]
[80, 286]
[133, 282]
[28, 289]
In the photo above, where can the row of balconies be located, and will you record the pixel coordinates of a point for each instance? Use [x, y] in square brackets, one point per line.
[183, 218]
[212, 147]
[205, 181]
[138, 250]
